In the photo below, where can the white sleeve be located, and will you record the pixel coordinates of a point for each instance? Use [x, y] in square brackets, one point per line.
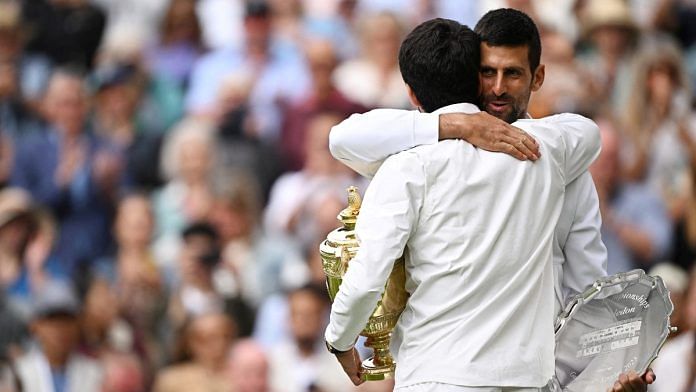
[387, 218]
[582, 142]
[363, 141]
[584, 252]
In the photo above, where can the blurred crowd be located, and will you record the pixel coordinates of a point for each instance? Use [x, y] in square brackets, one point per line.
[165, 177]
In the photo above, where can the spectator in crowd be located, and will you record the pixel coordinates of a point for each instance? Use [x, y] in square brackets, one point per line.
[256, 264]
[336, 21]
[238, 147]
[323, 97]
[195, 292]
[131, 275]
[203, 364]
[53, 364]
[565, 84]
[72, 172]
[26, 245]
[611, 34]
[158, 98]
[16, 118]
[676, 281]
[685, 231]
[123, 373]
[180, 43]
[271, 327]
[66, 31]
[32, 69]
[115, 104]
[373, 79]
[186, 162]
[674, 17]
[635, 225]
[297, 198]
[301, 362]
[248, 367]
[116, 117]
[103, 330]
[13, 339]
[675, 365]
[278, 73]
[660, 126]
[288, 20]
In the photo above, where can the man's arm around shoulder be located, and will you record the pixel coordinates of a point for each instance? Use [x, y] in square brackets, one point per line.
[363, 141]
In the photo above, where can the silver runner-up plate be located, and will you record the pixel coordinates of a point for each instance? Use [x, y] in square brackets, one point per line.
[617, 325]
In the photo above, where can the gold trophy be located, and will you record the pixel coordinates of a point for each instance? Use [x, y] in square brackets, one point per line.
[337, 250]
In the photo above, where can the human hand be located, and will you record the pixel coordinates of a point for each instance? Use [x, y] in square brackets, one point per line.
[489, 133]
[350, 362]
[72, 157]
[632, 382]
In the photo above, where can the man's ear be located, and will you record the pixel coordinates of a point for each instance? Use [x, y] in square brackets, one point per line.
[538, 77]
[414, 100]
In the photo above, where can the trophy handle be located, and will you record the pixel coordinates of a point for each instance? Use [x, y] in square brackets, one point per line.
[345, 259]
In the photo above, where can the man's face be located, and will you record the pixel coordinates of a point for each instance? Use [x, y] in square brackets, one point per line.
[306, 317]
[507, 81]
[57, 334]
[65, 103]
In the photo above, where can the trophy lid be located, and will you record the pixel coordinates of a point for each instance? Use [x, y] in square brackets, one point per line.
[344, 236]
[341, 244]
[349, 215]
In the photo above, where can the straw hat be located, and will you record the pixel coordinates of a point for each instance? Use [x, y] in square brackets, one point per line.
[15, 203]
[10, 16]
[606, 13]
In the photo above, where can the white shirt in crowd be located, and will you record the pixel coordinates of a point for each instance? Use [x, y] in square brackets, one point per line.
[364, 141]
[479, 228]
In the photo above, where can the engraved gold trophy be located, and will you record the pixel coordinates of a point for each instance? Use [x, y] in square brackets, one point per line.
[337, 250]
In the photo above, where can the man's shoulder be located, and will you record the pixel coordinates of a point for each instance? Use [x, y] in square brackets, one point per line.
[548, 132]
[554, 121]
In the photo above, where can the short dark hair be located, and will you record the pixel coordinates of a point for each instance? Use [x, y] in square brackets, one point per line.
[200, 228]
[210, 257]
[511, 27]
[440, 61]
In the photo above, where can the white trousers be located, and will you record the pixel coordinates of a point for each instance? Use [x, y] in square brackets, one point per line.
[439, 387]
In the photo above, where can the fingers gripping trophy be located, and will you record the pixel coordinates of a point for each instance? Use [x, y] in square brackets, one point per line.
[339, 248]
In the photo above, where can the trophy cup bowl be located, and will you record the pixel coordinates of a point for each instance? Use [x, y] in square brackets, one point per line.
[336, 251]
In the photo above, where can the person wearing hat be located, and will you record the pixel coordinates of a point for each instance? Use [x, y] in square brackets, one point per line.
[53, 363]
[26, 238]
[609, 29]
[17, 226]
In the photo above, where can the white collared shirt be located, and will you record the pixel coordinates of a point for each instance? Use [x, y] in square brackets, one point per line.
[364, 141]
[479, 229]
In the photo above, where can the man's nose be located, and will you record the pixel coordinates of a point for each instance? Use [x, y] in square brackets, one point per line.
[499, 85]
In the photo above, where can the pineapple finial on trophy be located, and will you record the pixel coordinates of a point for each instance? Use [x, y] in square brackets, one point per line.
[354, 199]
[349, 215]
